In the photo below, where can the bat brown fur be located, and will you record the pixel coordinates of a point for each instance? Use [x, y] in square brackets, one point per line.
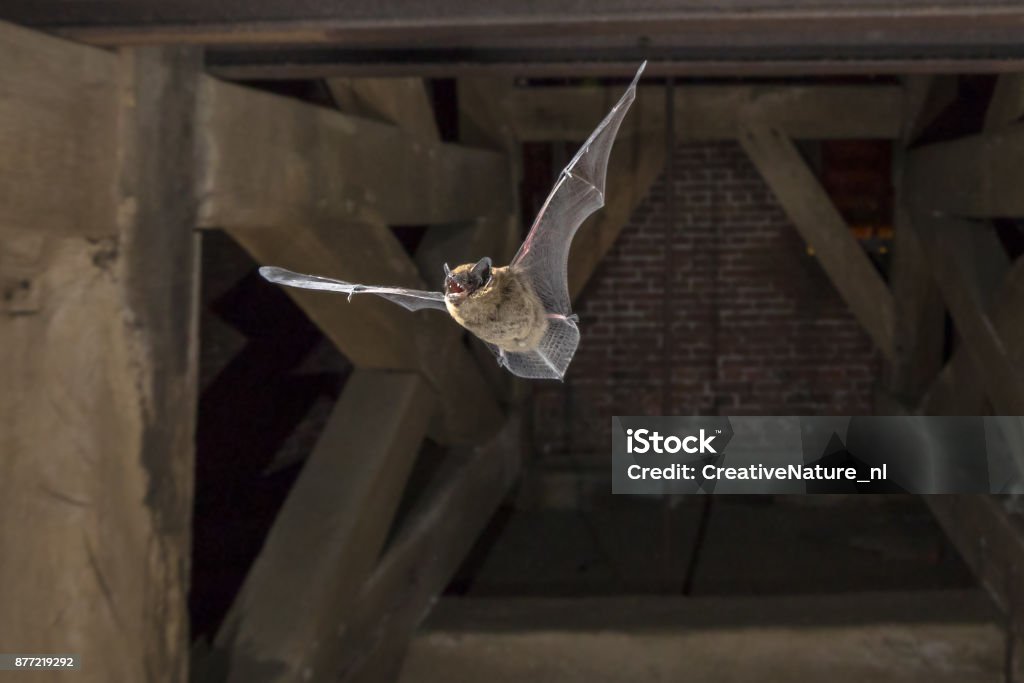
[505, 312]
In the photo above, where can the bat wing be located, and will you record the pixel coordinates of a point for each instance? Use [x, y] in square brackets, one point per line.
[578, 192]
[413, 299]
[550, 359]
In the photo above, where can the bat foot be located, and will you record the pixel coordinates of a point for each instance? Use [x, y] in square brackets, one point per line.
[558, 316]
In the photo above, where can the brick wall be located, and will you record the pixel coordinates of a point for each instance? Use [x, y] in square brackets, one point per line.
[753, 323]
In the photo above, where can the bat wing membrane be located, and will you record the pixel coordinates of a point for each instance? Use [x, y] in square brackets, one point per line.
[412, 299]
[550, 359]
[578, 192]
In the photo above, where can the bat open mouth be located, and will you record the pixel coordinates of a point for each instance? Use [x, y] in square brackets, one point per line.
[453, 287]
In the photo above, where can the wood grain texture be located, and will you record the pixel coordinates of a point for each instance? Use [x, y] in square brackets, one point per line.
[58, 133]
[99, 404]
[276, 161]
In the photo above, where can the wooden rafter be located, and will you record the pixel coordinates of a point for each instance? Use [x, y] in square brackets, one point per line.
[712, 112]
[275, 161]
[426, 552]
[327, 537]
[404, 102]
[1007, 104]
[976, 176]
[821, 225]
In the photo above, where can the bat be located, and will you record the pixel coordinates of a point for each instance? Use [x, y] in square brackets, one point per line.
[521, 311]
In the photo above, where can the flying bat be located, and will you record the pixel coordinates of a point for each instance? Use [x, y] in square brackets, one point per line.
[521, 311]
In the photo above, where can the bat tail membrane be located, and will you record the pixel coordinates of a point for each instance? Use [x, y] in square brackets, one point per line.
[552, 356]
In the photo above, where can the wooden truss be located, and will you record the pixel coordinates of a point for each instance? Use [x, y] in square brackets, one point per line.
[110, 162]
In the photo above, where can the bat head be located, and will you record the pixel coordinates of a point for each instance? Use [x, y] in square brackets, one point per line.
[466, 279]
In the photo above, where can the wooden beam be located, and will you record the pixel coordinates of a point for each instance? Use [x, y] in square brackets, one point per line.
[428, 549]
[821, 225]
[847, 638]
[266, 64]
[58, 130]
[404, 102]
[712, 112]
[99, 371]
[919, 334]
[1007, 103]
[276, 161]
[925, 97]
[976, 176]
[956, 390]
[968, 262]
[327, 537]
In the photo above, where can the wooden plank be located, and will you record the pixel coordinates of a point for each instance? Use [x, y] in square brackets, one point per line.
[426, 552]
[58, 127]
[403, 102]
[1007, 103]
[97, 414]
[327, 537]
[821, 225]
[968, 262]
[254, 64]
[713, 112]
[974, 176]
[276, 161]
[842, 638]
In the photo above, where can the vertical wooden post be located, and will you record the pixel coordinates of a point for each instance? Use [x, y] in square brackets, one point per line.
[98, 403]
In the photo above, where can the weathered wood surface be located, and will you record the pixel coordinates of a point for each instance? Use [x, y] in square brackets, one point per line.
[819, 222]
[976, 176]
[327, 537]
[712, 112]
[427, 550]
[404, 102]
[99, 399]
[923, 637]
[276, 161]
[58, 133]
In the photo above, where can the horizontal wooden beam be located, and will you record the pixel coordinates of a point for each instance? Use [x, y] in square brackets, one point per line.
[58, 130]
[847, 638]
[975, 176]
[272, 160]
[327, 537]
[713, 112]
[819, 222]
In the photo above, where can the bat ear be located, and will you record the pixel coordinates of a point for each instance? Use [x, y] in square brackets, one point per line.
[447, 271]
[482, 269]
